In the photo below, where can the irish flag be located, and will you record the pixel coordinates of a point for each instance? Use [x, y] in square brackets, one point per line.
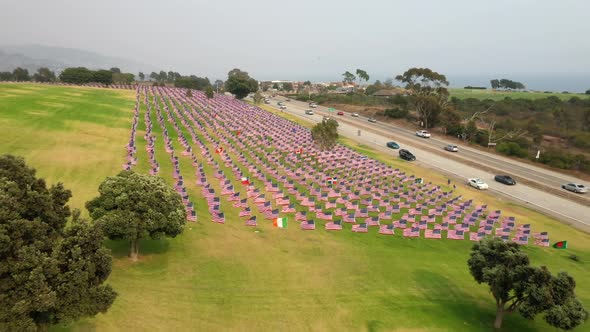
[280, 222]
[560, 245]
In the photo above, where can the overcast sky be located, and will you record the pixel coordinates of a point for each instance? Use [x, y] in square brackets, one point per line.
[315, 39]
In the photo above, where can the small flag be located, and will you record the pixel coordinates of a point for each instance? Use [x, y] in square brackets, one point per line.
[219, 150]
[238, 132]
[560, 245]
[331, 180]
[280, 222]
[298, 151]
[245, 180]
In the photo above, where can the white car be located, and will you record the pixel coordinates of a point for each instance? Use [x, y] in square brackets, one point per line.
[452, 148]
[283, 107]
[313, 105]
[478, 183]
[423, 134]
[356, 115]
[575, 187]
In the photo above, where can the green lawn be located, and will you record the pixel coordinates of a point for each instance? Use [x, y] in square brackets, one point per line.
[499, 95]
[234, 278]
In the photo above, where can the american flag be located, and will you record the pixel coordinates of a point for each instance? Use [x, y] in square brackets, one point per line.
[412, 232]
[301, 216]
[219, 218]
[455, 235]
[387, 229]
[475, 237]
[360, 228]
[373, 221]
[251, 221]
[324, 215]
[308, 225]
[334, 225]
[433, 233]
[542, 242]
[245, 213]
[242, 203]
[191, 215]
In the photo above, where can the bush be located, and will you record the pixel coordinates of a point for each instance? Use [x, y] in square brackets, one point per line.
[475, 87]
[511, 149]
[396, 113]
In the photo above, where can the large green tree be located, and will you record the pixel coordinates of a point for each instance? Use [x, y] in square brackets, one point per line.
[141, 76]
[133, 206]
[429, 92]
[240, 83]
[76, 75]
[518, 286]
[325, 133]
[362, 75]
[102, 76]
[44, 74]
[21, 74]
[348, 77]
[49, 273]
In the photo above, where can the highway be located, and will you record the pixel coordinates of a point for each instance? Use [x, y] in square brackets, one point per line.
[539, 189]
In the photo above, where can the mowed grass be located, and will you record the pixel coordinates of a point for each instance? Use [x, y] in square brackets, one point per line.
[72, 135]
[234, 278]
[499, 95]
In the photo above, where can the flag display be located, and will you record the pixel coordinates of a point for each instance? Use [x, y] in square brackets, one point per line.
[298, 151]
[219, 150]
[245, 180]
[280, 222]
[560, 245]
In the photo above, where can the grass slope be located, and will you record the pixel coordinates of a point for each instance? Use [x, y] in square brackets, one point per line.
[499, 95]
[230, 278]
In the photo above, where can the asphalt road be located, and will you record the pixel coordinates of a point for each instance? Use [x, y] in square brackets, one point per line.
[467, 163]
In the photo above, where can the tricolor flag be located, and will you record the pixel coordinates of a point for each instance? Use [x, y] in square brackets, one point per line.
[245, 180]
[280, 222]
[298, 151]
[219, 150]
[560, 245]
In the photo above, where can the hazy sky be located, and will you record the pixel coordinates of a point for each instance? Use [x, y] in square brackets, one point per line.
[315, 39]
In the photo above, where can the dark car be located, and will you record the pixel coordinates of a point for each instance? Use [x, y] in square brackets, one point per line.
[505, 179]
[392, 145]
[406, 155]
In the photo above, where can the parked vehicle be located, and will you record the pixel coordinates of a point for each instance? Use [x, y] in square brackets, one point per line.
[575, 187]
[392, 145]
[478, 183]
[505, 179]
[452, 148]
[356, 115]
[373, 120]
[423, 134]
[406, 155]
[309, 112]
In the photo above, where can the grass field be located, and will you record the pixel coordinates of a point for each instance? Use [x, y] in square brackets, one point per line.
[499, 95]
[231, 278]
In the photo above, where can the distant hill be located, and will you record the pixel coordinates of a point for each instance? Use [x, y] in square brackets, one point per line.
[32, 57]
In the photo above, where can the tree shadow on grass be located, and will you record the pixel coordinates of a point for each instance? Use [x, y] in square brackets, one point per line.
[147, 247]
[452, 299]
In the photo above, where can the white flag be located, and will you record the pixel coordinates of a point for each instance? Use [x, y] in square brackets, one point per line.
[538, 154]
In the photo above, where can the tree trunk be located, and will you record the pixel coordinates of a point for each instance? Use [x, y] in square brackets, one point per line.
[134, 250]
[499, 317]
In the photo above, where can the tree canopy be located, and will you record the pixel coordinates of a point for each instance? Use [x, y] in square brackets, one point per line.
[76, 75]
[325, 133]
[133, 206]
[429, 92]
[209, 92]
[43, 74]
[506, 84]
[362, 75]
[518, 286]
[348, 77]
[192, 82]
[102, 76]
[49, 273]
[21, 74]
[240, 83]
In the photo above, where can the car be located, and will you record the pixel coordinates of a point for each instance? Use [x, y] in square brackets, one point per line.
[280, 103]
[423, 134]
[478, 183]
[505, 179]
[575, 187]
[309, 112]
[325, 117]
[373, 120]
[313, 105]
[287, 99]
[452, 148]
[340, 113]
[406, 155]
[283, 107]
[392, 145]
[356, 115]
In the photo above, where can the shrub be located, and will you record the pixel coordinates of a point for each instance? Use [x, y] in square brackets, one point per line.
[396, 113]
[511, 149]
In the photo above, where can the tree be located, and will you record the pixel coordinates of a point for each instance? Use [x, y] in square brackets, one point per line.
[288, 86]
[21, 74]
[362, 75]
[115, 70]
[49, 273]
[495, 83]
[240, 83]
[587, 92]
[308, 83]
[6, 76]
[218, 85]
[429, 92]
[348, 77]
[141, 76]
[154, 76]
[192, 82]
[133, 206]
[162, 77]
[171, 77]
[123, 78]
[518, 286]
[209, 92]
[43, 74]
[102, 76]
[258, 98]
[76, 75]
[325, 134]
